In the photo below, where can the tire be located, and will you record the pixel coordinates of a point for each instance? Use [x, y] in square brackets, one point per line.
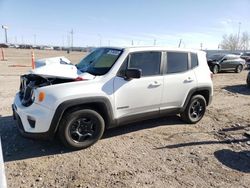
[215, 69]
[239, 68]
[81, 129]
[248, 81]
[195, 109]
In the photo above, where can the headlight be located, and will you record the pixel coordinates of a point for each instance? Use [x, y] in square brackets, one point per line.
[32, 95]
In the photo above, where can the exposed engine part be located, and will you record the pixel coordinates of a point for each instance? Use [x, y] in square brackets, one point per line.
[30, 82]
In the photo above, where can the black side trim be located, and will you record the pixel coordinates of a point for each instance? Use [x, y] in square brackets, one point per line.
[137, 117]
[146, 116]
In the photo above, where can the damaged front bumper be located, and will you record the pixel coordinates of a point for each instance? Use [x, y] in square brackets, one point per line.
[33, 121]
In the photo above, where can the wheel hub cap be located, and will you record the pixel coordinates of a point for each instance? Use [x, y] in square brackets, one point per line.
[82, 129]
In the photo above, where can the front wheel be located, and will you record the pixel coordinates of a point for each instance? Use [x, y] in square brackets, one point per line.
[81, 129]
[195, 109]
[239, 68]
[215, 69]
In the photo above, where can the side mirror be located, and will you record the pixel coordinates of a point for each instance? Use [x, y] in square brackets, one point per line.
[133, 73]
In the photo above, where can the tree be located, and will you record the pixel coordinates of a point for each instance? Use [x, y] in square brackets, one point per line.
[244, 42]
[234, 42]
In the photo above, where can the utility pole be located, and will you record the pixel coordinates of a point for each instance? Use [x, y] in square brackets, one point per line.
[63, 41]
[180, 43]
[68, 40]
[132, 43]
[201, 45]
[34, 39]
[72, 34]
[100, 40]
[5, 30]
[154, 42]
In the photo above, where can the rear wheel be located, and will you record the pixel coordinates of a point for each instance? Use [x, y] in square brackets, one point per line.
[239, 68]
[195, 109]
[215, 69]
[81, 129]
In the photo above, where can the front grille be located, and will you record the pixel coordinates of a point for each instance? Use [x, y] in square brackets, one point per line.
[26, 91]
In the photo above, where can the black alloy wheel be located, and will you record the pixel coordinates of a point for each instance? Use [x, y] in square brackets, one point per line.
[195, 109]
[81, 128]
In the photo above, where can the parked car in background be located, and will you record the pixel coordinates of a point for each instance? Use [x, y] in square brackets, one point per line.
[225, 62]
[248, 79]
[246, 56]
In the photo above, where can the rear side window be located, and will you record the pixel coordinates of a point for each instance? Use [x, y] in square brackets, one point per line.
[148, 62]
[230, 57]
[177, 62]
[194, 60]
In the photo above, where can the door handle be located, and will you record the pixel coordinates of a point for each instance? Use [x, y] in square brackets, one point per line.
[188, 80]
[154, 84]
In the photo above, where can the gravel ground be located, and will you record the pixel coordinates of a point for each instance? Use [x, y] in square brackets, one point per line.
[157, 153]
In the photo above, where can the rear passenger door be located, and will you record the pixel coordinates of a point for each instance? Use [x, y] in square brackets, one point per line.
[179, 78]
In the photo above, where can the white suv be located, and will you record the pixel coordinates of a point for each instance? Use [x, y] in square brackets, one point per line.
[111, 87]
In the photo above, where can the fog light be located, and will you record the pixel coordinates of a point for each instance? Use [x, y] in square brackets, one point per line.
[32, 122]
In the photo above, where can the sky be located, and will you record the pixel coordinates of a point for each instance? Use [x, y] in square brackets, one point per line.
[124, 23]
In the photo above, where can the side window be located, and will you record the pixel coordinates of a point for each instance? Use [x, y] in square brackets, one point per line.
[194, 60]
[230, 57]
[177, 62]
[148, 62]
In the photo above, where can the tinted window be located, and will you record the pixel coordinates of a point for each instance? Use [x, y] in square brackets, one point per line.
[177, 62]
[123, 68]
[230, 57]
[148, 62]
[194, 60]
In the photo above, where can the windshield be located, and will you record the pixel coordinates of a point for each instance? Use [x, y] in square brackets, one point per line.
[216, 57]
[100, 61]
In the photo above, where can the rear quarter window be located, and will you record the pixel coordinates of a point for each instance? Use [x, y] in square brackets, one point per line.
[194, 60]
[176, 62]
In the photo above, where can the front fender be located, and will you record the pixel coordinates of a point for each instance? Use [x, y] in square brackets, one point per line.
[61, 109]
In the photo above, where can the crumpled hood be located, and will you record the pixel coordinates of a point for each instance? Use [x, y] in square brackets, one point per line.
[58, 67]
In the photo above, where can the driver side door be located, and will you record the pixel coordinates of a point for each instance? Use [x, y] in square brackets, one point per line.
[138, 98]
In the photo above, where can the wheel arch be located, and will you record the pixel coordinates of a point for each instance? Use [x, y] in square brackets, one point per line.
[204, 91]
[99, 104]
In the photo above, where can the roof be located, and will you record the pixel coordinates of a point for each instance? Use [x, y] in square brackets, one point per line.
[154, 48]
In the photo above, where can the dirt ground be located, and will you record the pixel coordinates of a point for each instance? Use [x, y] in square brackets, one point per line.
[157, 153]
